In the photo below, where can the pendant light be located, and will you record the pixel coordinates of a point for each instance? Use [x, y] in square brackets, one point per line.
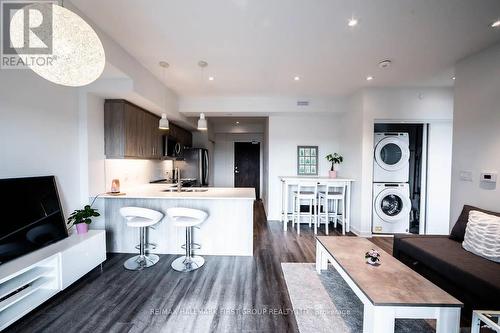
[77, 55]
[163, 124]
[202, 122]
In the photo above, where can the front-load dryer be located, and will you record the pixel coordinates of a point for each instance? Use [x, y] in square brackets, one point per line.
[391, 158]
[391, 208]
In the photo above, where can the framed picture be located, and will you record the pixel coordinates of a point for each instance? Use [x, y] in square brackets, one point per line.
[307, 160]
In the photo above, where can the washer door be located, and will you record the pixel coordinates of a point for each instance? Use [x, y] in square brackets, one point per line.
[392, 204]
[392, 153]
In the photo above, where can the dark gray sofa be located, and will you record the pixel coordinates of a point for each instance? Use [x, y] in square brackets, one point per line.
[441, 259]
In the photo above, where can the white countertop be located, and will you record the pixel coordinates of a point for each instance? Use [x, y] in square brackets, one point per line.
[156, 191]
[317, 178]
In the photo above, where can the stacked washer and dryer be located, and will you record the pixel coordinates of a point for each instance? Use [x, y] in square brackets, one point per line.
[391, 191]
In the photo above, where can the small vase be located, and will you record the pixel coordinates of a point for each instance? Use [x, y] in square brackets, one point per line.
[82, 228]
[332, 174]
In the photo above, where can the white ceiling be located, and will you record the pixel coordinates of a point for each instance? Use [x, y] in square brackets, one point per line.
[256, 47]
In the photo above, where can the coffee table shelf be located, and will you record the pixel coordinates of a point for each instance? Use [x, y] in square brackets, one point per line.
[490, 318]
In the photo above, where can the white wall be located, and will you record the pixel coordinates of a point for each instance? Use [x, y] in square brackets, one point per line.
[39, 132]
[364, 109]
[224, 157]
[265, 167]
[418, 105]
[476, 130]
[91, 128]
[351, 147]
[439, 158]
[288, 132]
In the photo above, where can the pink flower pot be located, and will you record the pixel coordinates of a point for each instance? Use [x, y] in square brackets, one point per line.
[332, 174]
[82, 228]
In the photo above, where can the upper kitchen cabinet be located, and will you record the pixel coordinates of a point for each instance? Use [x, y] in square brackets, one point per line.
[131, 132]
[180, 135]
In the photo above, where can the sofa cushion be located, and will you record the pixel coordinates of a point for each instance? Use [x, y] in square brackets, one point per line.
[458, 231]
[446, 257]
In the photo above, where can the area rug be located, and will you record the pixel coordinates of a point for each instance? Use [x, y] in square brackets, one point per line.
[325, 303]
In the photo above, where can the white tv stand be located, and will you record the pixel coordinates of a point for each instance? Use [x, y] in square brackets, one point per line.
[30, 280]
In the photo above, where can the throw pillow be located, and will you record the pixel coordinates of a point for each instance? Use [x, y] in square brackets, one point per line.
[458, 231]
[482, 235]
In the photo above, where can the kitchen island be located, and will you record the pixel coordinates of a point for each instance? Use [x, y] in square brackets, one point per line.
[227, 231]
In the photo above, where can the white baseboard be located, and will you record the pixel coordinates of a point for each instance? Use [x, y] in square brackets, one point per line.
[361, 233]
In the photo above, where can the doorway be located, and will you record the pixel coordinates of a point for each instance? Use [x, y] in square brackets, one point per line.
[416, 136]
[247, 165]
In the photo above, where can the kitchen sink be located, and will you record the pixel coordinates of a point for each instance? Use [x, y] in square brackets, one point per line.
[186, 189]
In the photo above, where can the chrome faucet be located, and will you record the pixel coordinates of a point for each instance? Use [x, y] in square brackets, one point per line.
[177, 172]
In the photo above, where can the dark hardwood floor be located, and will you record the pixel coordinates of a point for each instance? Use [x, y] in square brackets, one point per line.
[228, 294]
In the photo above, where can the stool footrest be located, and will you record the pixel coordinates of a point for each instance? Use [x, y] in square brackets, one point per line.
[147, 246]
[194, 246]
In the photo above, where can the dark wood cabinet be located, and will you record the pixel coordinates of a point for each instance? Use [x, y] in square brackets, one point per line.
[181, 135]
[131, 132]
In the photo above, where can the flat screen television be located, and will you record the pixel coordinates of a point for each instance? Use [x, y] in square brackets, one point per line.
[31, 216]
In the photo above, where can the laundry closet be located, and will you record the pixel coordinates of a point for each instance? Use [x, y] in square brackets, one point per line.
[399, 178]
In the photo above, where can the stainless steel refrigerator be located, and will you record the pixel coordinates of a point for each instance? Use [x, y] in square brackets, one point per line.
[195, 166]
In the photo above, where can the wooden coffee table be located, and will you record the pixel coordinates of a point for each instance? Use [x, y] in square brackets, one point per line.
[389, 291]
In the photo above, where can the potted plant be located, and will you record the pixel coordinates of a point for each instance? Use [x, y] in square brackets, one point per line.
[372, 257]
[82, 218]
[334, 159]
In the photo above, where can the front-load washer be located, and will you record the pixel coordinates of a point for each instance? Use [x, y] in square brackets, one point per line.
[391, 208]
[391, 158]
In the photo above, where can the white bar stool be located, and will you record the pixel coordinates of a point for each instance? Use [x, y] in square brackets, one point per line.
[187, 218]
[141, 218]
[308, 192]
[334, 194]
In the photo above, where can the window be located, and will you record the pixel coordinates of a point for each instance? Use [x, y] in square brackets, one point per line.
[307, 160]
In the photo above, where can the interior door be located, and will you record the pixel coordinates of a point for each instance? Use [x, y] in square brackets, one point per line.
[247, 165]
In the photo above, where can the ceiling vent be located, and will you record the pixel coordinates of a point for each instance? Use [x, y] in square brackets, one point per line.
[302, 103]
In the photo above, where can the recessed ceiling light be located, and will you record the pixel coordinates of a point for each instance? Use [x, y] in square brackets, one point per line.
[352, 22]
[296, 78]
[211, 78]
[369, 78]
[495, 24]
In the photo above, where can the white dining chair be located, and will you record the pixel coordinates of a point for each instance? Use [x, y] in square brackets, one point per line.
[307, 192]
[333, 197]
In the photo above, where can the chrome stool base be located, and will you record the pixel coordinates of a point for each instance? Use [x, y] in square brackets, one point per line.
[187, 264]
[139, 262]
